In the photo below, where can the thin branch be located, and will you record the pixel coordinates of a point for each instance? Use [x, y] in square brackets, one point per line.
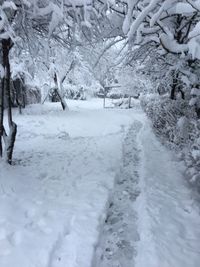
[105, 49]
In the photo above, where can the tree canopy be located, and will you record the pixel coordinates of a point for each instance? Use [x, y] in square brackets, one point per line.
[46, 37]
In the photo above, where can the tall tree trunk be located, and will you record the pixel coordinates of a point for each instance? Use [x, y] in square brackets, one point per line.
[10, 138]
[1, 114]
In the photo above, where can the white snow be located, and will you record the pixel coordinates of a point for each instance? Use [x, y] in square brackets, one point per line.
[128, 18]
[170, 44]
[193, 46]
[195, 92]
[168, 216]
[135, 25]
[181, 8]
[157, 15]
[54, 200]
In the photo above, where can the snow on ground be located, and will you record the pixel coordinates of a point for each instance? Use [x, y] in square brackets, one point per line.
[169, 218]
[53, 199]
[119, 235]
[152, 219]
[93, 187]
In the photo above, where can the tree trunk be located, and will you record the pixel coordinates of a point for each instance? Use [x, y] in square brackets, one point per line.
[182, 94]
[10, 142]
[174, 86]
[62, 100]
[10, 138]
[129, 102]
[1, 115]
[104, 98]
[172, 94]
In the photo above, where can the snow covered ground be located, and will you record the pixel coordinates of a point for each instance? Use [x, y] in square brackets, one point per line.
[53, 199]
[169, 218]
[94, 187]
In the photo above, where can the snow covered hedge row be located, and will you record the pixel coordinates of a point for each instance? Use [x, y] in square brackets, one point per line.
[176, 123]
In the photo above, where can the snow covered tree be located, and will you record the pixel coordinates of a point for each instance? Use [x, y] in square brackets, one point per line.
[22, 18]
[172, 28]
[7, 13]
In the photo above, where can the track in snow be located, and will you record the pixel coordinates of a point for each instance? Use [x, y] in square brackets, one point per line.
[53, 201]
[119, 235]
[152, 219]
[169, 218]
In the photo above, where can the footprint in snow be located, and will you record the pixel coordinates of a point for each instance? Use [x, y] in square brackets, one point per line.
[3, 234]
[42, 224]
[39, 226]
[42, 176]
[63, 135]
[30, 213]
[15, 238]
[9, 240]
[5, 248]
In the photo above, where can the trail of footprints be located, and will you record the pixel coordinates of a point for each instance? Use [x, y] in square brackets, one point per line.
[118, 236]
[8, 240]
[116, 246]
[11, 237]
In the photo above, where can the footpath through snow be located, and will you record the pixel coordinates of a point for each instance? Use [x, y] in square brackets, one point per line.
[152, 219]
[94, 188]
[169, 218]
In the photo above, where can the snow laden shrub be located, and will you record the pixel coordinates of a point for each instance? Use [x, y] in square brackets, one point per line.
[33, 95]
[192, 155]
[176, 123]
[76, 93]
[170, 118]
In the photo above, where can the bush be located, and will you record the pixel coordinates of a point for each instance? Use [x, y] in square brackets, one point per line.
[23, 94]
[170, 118]
[176, 123]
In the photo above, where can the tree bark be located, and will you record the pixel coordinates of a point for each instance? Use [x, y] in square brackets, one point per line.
[62, 100]
[129, 102]
[1, 115]
[10, 138]
[174, 86]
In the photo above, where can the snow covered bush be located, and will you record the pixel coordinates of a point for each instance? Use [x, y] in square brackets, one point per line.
[123, 103]
[176, 123]
[192, 155]
[168, 118]
[32, 95]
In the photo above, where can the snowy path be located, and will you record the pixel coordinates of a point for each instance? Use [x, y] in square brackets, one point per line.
[119, 236]
[53, 200]
[152, 220]
[169, 219]
[94, 188]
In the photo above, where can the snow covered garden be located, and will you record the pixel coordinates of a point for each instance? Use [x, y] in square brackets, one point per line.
[99, 133]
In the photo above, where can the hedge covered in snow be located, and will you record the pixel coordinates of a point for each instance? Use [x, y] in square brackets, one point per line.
[177, 125]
